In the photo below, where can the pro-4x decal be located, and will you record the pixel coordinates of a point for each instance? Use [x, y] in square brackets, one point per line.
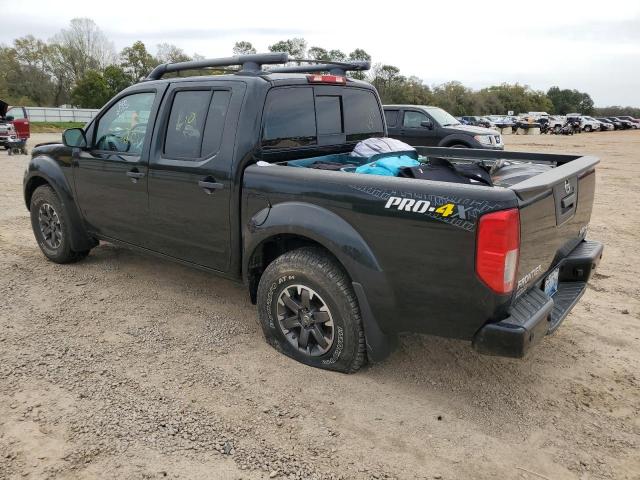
[459, 212]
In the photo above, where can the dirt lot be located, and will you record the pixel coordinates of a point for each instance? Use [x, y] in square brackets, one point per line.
[124, 366]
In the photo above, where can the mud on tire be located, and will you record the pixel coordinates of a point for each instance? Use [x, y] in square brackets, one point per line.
[309, 312]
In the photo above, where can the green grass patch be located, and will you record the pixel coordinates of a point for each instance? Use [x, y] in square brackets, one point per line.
[53, 127]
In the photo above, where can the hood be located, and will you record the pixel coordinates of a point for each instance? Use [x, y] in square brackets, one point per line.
[471, 130]
[48, 148]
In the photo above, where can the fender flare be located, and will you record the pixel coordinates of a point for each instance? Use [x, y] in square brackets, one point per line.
[44, 169]
[457, 138]
[336, 235]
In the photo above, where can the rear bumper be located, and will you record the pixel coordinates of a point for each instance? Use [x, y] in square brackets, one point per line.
[535, 314]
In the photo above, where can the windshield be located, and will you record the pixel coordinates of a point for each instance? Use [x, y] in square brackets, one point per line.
[443, 118]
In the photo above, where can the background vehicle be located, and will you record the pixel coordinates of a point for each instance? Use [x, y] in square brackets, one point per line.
[501, 121]
[537, 115]
[425, 125]
[605, 125]
[478, 121]
[634, 121]
[589, 124]
[621, 124]
[556, 122]
[615, 124]
[221, 173]
[13, 122]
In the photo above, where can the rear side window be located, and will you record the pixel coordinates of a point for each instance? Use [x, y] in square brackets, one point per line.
[391, 116]
[289, 118]
[362, 117]
[196, 123]
[186, 124]
[215, 122]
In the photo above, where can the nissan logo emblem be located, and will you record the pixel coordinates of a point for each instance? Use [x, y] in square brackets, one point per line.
[567, 186]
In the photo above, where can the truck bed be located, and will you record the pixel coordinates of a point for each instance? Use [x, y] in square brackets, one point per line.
[425, 278]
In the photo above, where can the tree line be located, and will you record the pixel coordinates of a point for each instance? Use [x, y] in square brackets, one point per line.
[80, 66]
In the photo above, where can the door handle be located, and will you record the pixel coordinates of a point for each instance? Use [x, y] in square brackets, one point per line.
[209, 185]
[135, 175]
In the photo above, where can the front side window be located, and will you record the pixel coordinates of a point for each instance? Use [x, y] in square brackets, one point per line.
[123, 128]
[289, 118]
[414, 119]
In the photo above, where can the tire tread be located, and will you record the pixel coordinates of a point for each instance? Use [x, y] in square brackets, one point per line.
[316, 259]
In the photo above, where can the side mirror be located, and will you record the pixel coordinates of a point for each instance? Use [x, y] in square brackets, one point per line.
[427, 124]
[74, 137]
[9, 118]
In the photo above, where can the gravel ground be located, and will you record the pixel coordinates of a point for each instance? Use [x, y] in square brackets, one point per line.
[124, 366]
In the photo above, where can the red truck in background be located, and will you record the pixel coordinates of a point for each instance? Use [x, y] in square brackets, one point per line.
[14, 125]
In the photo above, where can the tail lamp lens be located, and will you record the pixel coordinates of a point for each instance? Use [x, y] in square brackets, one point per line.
[498, 247]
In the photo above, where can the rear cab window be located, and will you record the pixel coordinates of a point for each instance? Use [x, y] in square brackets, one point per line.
[308, 116]
[289, 118]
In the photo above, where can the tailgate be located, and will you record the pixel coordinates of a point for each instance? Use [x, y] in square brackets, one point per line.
[555, 209]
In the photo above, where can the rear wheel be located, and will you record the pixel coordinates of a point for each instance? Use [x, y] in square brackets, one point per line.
[588, 128]
[309, 311]
[51, 226]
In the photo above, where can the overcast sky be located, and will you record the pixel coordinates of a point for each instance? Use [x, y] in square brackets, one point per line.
[593, 46]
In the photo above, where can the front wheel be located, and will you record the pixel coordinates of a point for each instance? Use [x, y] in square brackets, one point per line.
[309, 312]
[51, 227]
[587, 128]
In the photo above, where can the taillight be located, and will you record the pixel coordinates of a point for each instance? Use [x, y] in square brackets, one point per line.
[335, 79]
[497, 249]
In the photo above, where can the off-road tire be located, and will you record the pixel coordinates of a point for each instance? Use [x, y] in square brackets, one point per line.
[313, 269]
[59, 249]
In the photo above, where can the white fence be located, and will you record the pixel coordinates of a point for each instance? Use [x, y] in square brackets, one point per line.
[46, 114]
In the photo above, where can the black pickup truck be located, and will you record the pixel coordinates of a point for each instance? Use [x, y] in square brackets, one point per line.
[211, 171]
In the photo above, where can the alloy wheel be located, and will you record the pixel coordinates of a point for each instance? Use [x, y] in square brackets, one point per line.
[305, 320]
[50, 227]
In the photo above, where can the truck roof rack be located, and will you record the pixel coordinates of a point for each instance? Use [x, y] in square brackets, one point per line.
[248, 64]
[334, 68]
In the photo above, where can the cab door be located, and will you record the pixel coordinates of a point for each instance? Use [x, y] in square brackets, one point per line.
[110, 175]
[190, 184]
